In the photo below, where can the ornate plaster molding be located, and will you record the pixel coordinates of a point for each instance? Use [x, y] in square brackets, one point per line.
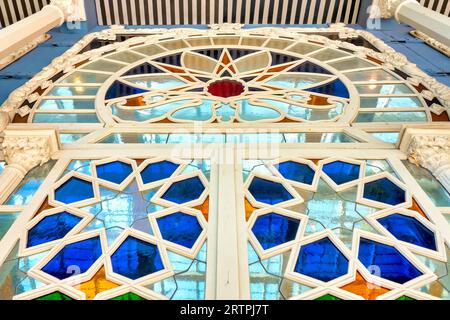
[70, 58]
[23, 51]
[26, 150]
[73, 10]
[433, 153]
[431, 42]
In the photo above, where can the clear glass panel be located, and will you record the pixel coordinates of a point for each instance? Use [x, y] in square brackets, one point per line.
[103, 65]
[66, 104]
[433, 188]
[157, 81]
[70, 137]
[392, 117]
[304, 48]
[73, 91]
[296, 80]
[126, 56]
[393, 102]
[389, 137]
[371, 75]
[149, 50]
[6, 221]
[329, 54]
[65, 118]
[86, 77]
[30, 184]
[383, 88]
[157, 138]
[352, 63]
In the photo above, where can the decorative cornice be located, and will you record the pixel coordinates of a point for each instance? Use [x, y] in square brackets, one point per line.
[390, 58]
[73, 10]
[431, 42]
[26, 150]
[23, 51]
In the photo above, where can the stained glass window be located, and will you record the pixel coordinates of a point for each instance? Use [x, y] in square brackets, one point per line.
[268, 159]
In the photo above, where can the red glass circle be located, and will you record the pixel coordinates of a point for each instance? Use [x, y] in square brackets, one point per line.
[226, 88]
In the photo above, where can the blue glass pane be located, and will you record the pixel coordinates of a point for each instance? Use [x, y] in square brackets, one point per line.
[74, 190]
[180, 228]
[74, 258]
[268, 191]
[335, 88]
[184, 190]
[158, 171]
[136, 258]
[409, 230]
[384, 190]
[52, 228]
[296, 171]
[388, 260]
[273, 229]
[120, 89]
[321, 260]
[341, 172]
[115, 172]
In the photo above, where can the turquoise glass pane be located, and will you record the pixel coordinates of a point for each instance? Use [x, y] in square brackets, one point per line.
[65, 118]
[383, 89]
[70, 137]
[433, 188]
[388, 137]
[147, 114]
[394, 102]
[2, 166]
[392, 117]
[251, 112]
[66, 104]
[30, 184]
[177, 138]
[202, 112]
[6, 221]
[73, 91]
[157, 82]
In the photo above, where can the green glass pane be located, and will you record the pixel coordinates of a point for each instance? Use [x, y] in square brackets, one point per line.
[405, 298]
[128, 296]
[55, 296]
[328, 297]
